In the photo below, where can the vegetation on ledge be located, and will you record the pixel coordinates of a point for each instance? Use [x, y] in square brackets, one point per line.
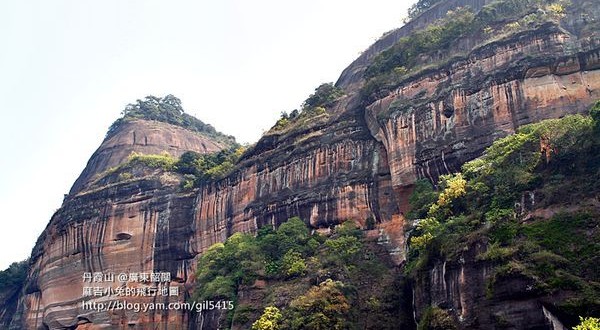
[12, 278]
[588, 323]
[550, 165]
[314, 107]
[201, 168]
[196, 168]
[435, 45]
[420, 7]
[311, 281]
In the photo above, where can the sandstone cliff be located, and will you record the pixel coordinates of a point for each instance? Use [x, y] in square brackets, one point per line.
[358, 162]
[147, 224]
[145, 137]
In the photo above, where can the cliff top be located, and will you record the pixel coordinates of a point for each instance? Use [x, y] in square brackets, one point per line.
[169, 110]
[152, 126]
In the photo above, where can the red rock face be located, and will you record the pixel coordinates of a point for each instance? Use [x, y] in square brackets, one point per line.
[133, 227]
[138, 226]
[360, 163]
[150, 225]
[145, 137]
[325, 186]
[432, 124]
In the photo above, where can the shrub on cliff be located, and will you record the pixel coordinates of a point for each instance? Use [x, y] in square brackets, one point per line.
[323, 96]
[200, 168]
[164, 160]
[243, 258]
[14, 276]
[269, 320]
[196, 168]
[313, 107]
[447, 208]
[130, 168]
[437, 36]
[510, 166]
[227, 265]
[393, 64]
[315, 280]
[588, 323]
[323, 307]
[420, 7]
[420, 200]
[552, 163]
[433, 46]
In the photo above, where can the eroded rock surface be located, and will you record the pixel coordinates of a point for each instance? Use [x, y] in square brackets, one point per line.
[358, 163]
[145, 137]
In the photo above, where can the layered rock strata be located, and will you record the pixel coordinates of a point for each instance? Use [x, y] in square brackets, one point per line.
[359, 162]
[144, 137]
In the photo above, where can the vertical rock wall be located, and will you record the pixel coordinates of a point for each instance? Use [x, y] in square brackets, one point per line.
[359, 163]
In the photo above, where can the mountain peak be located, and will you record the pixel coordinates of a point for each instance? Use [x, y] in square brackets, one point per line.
[151, 126]
[167, 109]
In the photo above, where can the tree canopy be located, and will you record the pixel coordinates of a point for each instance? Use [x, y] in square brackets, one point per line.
[14, 276]
[169, 110]
[420, 7]
[323, 96]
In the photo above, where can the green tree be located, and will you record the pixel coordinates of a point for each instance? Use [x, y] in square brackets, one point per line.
[292, 234]
[167, 109]
[420, 7]
[420, 200]
[588, 323]
[344, 248]
[163, 160]
[323, 96]
[14, 276]
[453, 187]
[294, 114]
[348, 228]
[269, 320]
[322, 307]
[188, 163]
[293, 264]
[227, 265]
[209, 167]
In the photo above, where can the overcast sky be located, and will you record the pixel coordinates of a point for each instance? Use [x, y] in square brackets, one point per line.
[68, 68]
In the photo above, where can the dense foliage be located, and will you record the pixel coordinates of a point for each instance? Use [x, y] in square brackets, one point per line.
[14, 276]
[164, 160]
[269, 320]
[420, 7]
[243, 258]
[314, 106]
[199, 168]
[169, 110]
[403, 55]
[553, 163]
[314, 282]
[323, 96]
[323, 307]
[196, 168]
[588, 323]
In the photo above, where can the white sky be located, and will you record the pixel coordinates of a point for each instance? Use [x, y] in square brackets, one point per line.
[68, 67]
